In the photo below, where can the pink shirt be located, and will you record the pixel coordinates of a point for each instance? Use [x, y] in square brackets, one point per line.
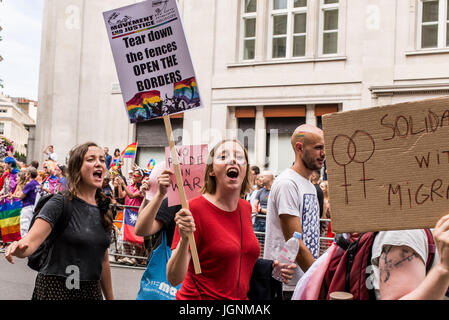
[136, 201]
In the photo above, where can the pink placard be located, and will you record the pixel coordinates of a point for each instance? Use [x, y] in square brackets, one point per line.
[192, 162]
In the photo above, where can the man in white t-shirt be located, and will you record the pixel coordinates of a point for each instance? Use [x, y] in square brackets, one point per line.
[293, 204]
[49, 151]
[399, 264]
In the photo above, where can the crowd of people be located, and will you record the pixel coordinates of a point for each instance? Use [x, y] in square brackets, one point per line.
[237, 201]
[26, 184]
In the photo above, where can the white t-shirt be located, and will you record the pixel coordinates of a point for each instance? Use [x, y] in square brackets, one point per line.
[52, 156]
[295, 195]
[251, 197]
[415, 239]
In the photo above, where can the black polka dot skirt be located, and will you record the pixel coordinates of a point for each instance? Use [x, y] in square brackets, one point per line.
[49, 287]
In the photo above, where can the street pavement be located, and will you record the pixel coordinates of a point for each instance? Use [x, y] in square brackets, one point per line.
[17, 280]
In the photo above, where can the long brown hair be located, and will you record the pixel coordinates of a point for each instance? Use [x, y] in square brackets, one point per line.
[76, 160]
[210, 184]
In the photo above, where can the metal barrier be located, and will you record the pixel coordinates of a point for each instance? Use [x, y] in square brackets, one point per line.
[324, 240]
[260, 235]
[123, 253]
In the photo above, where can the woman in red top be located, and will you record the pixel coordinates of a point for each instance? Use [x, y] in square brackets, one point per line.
[221, 221]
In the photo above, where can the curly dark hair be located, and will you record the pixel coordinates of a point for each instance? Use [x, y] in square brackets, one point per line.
[74, 180]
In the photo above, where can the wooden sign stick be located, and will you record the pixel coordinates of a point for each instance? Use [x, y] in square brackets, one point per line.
[182, 194]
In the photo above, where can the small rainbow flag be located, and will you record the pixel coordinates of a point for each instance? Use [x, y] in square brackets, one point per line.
[10, 220]
[115, 165]
[187, 90]
[129, 151]
[151, 164]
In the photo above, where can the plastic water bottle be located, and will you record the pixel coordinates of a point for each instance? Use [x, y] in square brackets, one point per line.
[287, 255]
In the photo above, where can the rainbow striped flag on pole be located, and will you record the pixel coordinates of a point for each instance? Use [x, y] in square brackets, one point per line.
[10, 220]
[130, 151]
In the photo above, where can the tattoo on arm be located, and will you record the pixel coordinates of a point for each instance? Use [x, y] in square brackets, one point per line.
[406, 255]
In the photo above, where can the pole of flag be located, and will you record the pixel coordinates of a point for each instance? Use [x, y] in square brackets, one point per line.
[134, 158]
[182, 194]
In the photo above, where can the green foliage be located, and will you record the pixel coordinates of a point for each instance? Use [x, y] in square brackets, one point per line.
[20, 156]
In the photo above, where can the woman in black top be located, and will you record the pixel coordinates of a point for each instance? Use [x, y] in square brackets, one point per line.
[77, 267]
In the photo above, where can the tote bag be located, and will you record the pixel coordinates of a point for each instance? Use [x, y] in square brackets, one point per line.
[154, 284]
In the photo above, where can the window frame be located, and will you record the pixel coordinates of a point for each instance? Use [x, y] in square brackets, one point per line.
[442, 24]
[329, 7]
[243, 17]
[290, 12]
[447, 24]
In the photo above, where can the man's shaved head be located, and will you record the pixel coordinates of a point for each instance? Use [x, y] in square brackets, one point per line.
[308, 145]
[268, 174]
[303, 133]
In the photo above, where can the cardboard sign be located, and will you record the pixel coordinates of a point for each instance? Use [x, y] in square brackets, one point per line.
[153, 182]
[192, 161]
[152, 59]
[388, 166]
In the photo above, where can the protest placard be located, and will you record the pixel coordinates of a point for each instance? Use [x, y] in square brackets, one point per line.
[155, 70]
[152, 59]
[192, 161]
[388, 166]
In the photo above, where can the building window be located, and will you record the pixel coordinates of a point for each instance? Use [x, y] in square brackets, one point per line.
[279, 151]
[447, 24]
[247, 135]
[249, 29]
[433, 31]
[3, 110]
[288, 28]
[2, 128]
[152, 139]
[246, 124]
[329, 26]
[281, 122]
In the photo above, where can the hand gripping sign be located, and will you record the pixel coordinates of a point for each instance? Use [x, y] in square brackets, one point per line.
[388, 166]
[192, 160]
[154, 68]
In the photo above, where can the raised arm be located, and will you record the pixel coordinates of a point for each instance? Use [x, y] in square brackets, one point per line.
[147, 224]
[130, 194]
[403, 272]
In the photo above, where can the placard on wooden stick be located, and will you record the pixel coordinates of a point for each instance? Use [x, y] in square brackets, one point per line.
[388, 166]
[192, 161]
[154, 68]
[182, 193]
[152, 59]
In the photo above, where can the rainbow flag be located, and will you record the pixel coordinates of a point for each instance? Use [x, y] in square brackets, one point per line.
[129, 151]
[144, 105]
[10, 220]
[151, 163]
[115, 165]
[187, 90]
